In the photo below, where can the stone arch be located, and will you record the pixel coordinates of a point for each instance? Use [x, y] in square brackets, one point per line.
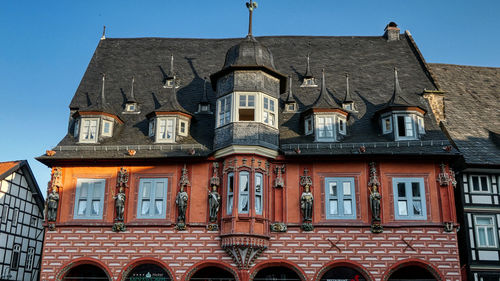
[343, 263]
[277, 263]
[201, 265]
[413, 262]
[137, 262]
[82, 261]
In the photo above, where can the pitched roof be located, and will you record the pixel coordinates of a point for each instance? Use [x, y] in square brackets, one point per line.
[369, 60]
[7, 167]
[472, 102]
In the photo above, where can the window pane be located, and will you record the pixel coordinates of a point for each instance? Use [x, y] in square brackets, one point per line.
[244, 203]
[251, 100]
[97, 190]
[402, 210]
[489, 232]
[145, 207]
[401, 190]
[347, 207]
[475, 183]
[347, 188]
[415, 188]
[170, 128]
[258, 204]
[229, 204]
[482, 236]
[271, 119]
[387, 124]
[243, 100]
[266, 103]
[484, 221]
[247, 114]
[271, 103]
[96, 207]
[82, 207]
[231, 183]
[159, 190]
[333, 207]
[333, 189]
[484, 184]
[258, 183]
[84, 189]
[158, 207]
[244, 183]
[409, 126]
[146, 190]
[417, 208]
[266, 117]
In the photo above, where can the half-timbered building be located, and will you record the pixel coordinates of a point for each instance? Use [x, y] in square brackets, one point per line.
[254, 158]
[21, 222]
[473, 124]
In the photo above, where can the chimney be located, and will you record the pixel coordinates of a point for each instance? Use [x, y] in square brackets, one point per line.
[391, 32]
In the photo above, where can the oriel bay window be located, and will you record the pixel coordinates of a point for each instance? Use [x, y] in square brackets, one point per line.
[249, 190]
[340, 198]
[269, 114]
[152, 198]
[224, 110]
[246, 109]
[89, 198]
[409, 199]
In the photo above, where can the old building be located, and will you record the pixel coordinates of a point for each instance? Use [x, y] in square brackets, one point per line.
[299, 158]
[21, 229]
[473, 123]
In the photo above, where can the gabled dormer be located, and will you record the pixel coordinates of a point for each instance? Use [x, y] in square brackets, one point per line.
[131, 105]
[170, 122]
[171, 78]
[348, 102]
[400, 119]
[308, 80]
[290, 103]
[204, 104]
[325, 119]
[96, 122]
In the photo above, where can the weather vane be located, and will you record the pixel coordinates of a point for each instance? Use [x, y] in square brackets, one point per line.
[250, 5]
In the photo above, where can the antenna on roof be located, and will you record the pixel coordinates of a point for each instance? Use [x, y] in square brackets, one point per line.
[251, 6]
[103, 33]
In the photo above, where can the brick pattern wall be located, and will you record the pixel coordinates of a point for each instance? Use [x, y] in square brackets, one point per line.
[310, 251]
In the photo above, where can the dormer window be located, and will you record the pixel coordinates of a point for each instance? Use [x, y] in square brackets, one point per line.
[348, 106]
[309, 82]
[169, 83]
[342, 126]
[405, 128]
[290, 107]
[88, 131]
[324, 128]
[246, 110]
[183, 128]
[107, 128]
[404, 125]
[131, 107]
[387, 125]
[308, 126]
[165, 130]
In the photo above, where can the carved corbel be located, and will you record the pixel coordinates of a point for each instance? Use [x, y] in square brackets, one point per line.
[443, 178]
[278, 181]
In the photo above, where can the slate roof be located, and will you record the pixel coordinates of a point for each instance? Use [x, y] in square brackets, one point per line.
[369, 61]
[472, 110]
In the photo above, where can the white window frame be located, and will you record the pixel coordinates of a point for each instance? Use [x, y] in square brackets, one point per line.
[243, 192]
[151, 127]
[321, 129]
[309, 125]
[230, 193]
[186, 129]
[342, 125]
[162, 132]
[409, 199]
[91, 197]
[246, 105]
[76, 129]
[131, 107]
[83, 130]
[408, 120]
[224, 107]
[270, 108]
[30, 258]
[152, 197]
[386, 130]
[485, 228]
[110, 128]
[488, 184]
[259, 193]
[421, 125]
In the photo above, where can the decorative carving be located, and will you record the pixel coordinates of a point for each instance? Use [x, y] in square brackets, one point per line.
[443, 178]
[448, 226]
[120, 197]
[279, 182]
[131, 152]
[244, 249]
[375, 197]
[53, 196]
[306, 201]
[214, 203]
[182, 200]
[453, 179]
[119, 226]
[305, 179]
[50, 152]
[278, 227]
[307, 226]
[122, 179]
[212, 227]
[119, 205]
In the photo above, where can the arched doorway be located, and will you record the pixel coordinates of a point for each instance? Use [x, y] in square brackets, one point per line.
[343, 273]
[87, 272]
[212, 273]
[148, 271]
[278, 273]
[412, 272]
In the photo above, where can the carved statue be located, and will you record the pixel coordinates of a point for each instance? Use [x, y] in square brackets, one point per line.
[214, 203]
[52, 205]
[119, 205]
[375, 202]
[306, 203]
[181, 201]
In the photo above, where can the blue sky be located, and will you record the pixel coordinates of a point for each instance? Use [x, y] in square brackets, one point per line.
[47, 45]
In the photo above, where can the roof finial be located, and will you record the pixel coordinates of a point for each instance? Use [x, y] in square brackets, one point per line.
[323, 82]
[172, 65]
[103, 33]
[204, 99]
[103, 98]
[397, 88]
[290, 98]
[132, 89]
[251, 6]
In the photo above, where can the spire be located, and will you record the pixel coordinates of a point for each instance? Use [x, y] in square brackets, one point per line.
[290, 97]
[204, 98]
[324, 100]
[251, 6]
[103, 97]
[132, 96]
[103, 33]
[308, 69]
[204, 104]
[348, 97]
[171, 103]
[397, 98]
[171, 72]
